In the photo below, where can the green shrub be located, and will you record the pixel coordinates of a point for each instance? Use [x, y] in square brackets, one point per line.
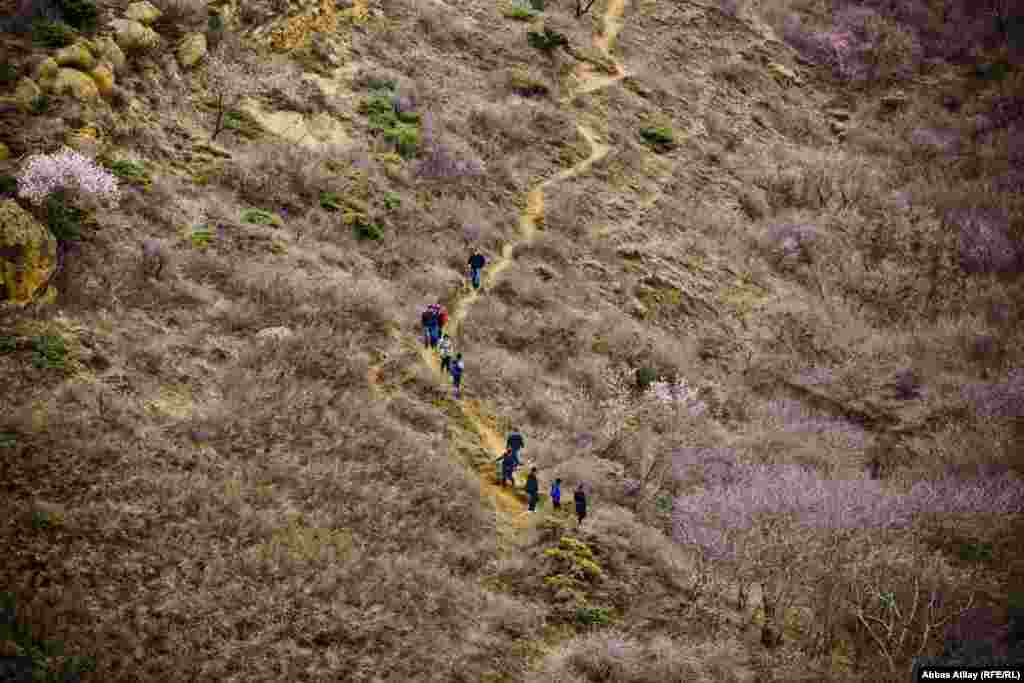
[132, 172]
[992, 71]
[379, 83]
[367, 230]
[46, 520]
[233, 119]
[214, 30]
[645, 377]
[380, 111]
[8, 440]
[50, 351]
[663, 504]
[330, 201]
[408, 116]
[7, 343]
[201, 236]
[547, 40]
[64, 220]
[52, 34]
[8, 184]
[392, 201]
[593, 616]
[405, 138]
[8, 73]
[261, 217]
[39, 104]
[81, 14]
[537, 5]
[521, 10]
[660, 138]
[975, 552]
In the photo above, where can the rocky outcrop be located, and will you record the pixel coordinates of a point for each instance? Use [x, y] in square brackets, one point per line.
[75, 56]
[110, 53]
[77, 84]
[28, 253]
[143, 12]
[103, 77]
[132, 36]
[26, 93]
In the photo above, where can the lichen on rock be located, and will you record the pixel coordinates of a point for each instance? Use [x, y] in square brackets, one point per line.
[28, 253]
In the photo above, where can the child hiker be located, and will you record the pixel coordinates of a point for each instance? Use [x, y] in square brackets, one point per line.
[556, 493]
[509, 463]
[445, 347]
[456, 369]
[532, 489]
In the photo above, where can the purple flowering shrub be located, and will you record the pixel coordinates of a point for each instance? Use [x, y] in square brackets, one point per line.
[44, 174]
[984, 242]
[441, 159]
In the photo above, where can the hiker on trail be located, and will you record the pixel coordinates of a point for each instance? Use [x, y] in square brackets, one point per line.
[509, 463]
[429, 319]
[456, 369]
[515, 441]
[556, 493]
[442, 319]
[580, 497]
[532, 489]
[476, 262]
[445, 347]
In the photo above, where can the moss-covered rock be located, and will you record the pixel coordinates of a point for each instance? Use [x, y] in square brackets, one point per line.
[26, 93]
[110, 53]
[28, 253]
[5, 152]
[75, 56]
[192, 50]
[132, 36]
[46, 72]
[103, 76]
[143, 12]
[77, 84]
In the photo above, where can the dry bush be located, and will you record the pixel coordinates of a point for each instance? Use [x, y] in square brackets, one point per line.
[182, 16]
[615, 656]
[278, 174]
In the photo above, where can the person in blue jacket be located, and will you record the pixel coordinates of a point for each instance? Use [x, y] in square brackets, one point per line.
[580, 497]
[509, 463]
[556, 493]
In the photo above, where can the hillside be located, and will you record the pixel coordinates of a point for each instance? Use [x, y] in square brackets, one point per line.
[754, 279]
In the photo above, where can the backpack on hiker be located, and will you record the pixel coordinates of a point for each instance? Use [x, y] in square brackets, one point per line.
[442, 315]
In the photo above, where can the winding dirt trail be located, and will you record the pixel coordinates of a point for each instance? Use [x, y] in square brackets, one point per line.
[512, 519]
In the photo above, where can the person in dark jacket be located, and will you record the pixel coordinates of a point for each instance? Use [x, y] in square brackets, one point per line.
[428, 319]
[509, 463]
[456, 369]
[532, 489]
[476, 262]
[515, 441]
[556, 493]
[580, 496]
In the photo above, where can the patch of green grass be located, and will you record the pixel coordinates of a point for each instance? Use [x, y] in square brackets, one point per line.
[365, 229]
[233, 119]
[660, 138]
[546, 40]
[201, 236]
[7, 343]
[49, 352]
[330, 201]
[645, 377]
[40, 104]
[8, 440]
[132, 172]
[401, 130]
[40, 652]
[81, 14]
[975, 552]
[261, 217]
[8, 185]
[8, 73]
[593, 616]
[52, 34]
[43, 520]
[63, 219]
[392, 201]
[521, 10]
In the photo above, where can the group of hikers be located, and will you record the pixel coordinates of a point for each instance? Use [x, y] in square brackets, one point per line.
[509, 462]
[434, 319]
